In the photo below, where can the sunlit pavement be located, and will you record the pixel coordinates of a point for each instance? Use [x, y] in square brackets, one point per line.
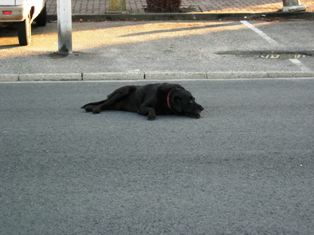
[164, 46]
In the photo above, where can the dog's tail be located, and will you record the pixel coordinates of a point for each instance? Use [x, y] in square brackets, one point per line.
[89, 107]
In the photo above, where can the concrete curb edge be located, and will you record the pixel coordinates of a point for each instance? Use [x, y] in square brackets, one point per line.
[50, 77]
[153, 75]
[188, 16]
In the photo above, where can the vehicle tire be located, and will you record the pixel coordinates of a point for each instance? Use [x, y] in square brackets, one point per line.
[24, 32]
[41, 19]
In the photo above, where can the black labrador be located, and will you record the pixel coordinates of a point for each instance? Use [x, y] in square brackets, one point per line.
[149, 100]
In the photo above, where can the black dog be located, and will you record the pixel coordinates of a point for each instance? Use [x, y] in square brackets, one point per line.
[149, 100]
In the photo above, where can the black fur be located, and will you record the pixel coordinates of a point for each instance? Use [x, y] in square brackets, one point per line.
[149, 100]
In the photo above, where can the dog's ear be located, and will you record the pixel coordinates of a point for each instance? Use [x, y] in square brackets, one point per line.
[177, 104]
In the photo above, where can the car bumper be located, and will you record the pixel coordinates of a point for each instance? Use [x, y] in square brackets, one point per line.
[18, 13]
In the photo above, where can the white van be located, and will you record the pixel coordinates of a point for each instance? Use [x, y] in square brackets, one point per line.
[22, 13]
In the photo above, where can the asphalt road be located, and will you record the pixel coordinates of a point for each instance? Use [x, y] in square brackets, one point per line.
[245, 167]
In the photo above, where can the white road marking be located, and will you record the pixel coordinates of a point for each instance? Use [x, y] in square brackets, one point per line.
[260, 33]
[273, 42]
[300, 65]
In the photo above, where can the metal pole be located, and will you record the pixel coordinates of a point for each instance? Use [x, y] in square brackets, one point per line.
[292, 6]
[64, 12]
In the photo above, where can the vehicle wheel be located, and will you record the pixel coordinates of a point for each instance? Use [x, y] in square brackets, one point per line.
[24, 32]
[41, 19]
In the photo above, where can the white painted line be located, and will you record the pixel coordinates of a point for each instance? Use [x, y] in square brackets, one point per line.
[296, 62]
[300, 65]
[260, 33]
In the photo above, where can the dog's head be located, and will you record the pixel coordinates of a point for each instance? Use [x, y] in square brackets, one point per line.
[182, 102]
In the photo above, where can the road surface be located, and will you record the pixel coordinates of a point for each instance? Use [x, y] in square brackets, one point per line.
[245, 167]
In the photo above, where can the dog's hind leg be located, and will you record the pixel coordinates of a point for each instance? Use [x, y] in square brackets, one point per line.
[112, 100]
[116, 99]
[89, 107]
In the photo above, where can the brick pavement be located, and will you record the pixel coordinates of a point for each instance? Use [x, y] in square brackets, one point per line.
[99, 7]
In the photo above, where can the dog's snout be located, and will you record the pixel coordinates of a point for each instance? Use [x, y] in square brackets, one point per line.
[200, 107]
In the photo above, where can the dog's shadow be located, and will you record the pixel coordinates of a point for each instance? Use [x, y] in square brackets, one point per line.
[117, 115]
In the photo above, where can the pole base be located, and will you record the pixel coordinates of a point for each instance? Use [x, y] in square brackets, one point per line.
[117, 6]
[293, 8]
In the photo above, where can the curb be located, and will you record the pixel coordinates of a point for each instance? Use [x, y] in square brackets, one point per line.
[175, 75]
[188, 16]
[49, 77]
[154, 75]
[113, 76]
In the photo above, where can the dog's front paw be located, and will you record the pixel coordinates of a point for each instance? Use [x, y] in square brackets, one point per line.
[194, 115]
[197, 116]
[96, 110]
[151, 118]
[151, 115]
[87, 108]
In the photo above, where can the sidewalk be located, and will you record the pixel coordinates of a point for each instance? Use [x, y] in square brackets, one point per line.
[165, 49]
[109, 50]
[101, 7]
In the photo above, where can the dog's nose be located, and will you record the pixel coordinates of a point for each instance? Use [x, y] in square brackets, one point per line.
[200, 107]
